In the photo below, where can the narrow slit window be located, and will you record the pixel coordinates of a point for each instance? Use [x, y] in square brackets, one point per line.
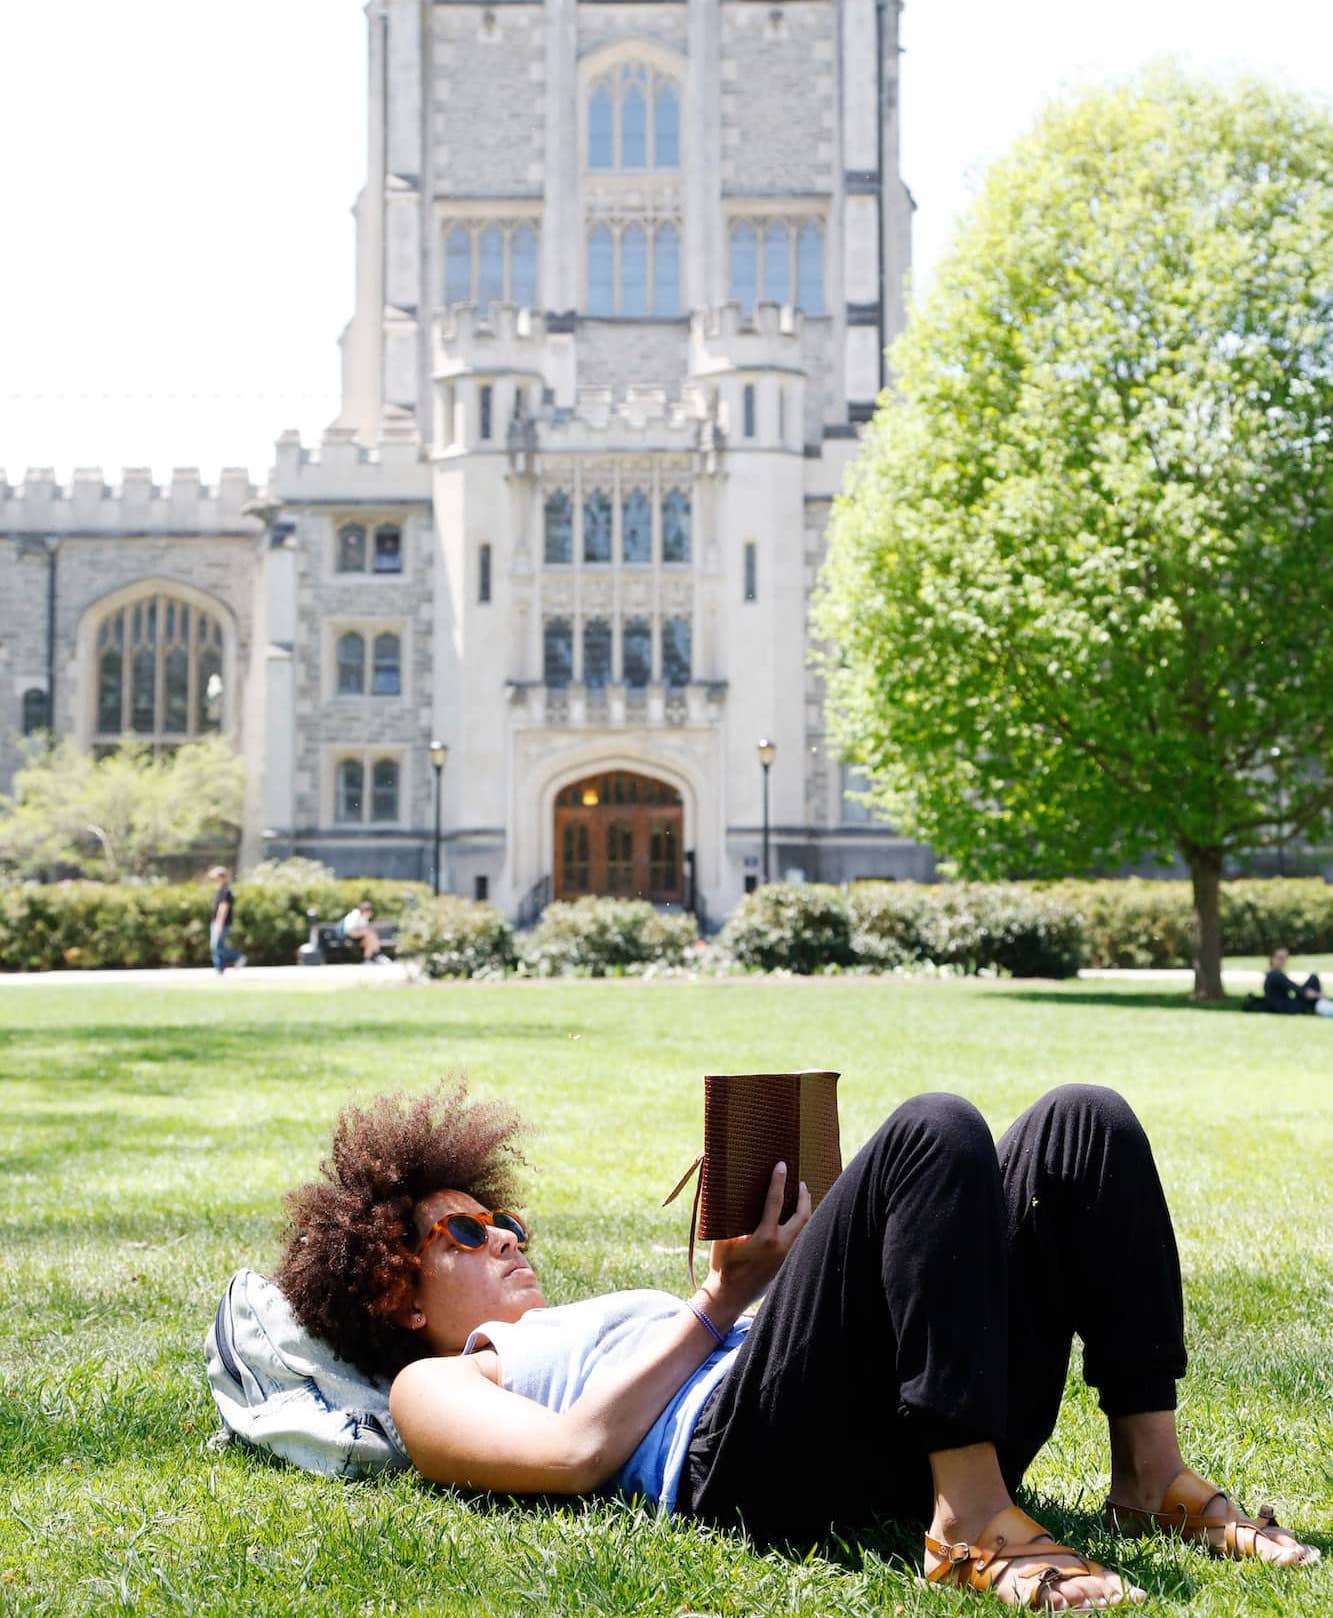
[484, 573]
[748, 407]
[751, 571]
[487, 404]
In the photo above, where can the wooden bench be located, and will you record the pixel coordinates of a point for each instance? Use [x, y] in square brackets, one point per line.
[326, 946]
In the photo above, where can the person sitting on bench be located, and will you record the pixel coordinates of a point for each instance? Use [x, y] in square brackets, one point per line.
[1283, 994]
[356, 928]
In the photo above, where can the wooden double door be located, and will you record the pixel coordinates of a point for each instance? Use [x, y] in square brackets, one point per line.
[619, 833]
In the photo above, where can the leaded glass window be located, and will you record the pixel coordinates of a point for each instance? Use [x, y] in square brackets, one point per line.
[636, 533]
[810, 269]
[523, 267]
[777, 264]
[458, 265]
[743, 267]
[601, 271]
[666, 271]
[559, 519]
[384, 789]
[352, 548]
[386, 674]
[558, 653]
[490, 266]
[676, 651]
[633, 271]
[676, 526]
[350, 791]
[350, 657]
[636, 649]
[597, 527]
[158, 672]
[666, 127]
[596, 653]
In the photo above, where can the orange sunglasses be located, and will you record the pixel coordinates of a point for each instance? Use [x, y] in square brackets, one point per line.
[468, 1230]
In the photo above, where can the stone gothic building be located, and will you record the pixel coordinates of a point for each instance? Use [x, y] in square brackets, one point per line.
[625, 271]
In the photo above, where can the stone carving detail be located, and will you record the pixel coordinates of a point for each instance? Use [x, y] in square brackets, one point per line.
[597, 595]
[677, 594]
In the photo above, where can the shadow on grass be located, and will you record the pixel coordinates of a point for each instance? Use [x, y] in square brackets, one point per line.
[1126, 999]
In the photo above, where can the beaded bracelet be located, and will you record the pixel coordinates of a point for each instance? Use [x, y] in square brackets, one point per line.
[718, 1337]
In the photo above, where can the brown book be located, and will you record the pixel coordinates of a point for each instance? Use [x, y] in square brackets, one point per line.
[751, 1122]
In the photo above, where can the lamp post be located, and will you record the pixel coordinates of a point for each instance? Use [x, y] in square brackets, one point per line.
[1276, 755]
[438, 754]
[767, 753]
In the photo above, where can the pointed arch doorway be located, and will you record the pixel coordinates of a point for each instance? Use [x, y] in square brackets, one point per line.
[619, 833]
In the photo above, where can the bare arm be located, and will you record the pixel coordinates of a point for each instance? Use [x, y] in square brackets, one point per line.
[460, 1426]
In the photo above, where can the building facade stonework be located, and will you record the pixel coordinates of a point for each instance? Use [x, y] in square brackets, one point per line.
[624, 276]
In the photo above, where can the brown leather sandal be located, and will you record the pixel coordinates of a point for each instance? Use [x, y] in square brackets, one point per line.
[1182, 1512]
[1012, 1536]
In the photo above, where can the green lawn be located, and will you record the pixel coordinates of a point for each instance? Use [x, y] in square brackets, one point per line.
[147, 1138]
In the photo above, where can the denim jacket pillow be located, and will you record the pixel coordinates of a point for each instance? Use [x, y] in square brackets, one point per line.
[286, 1392]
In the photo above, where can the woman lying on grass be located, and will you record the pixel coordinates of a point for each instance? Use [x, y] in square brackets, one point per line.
[908, 1359]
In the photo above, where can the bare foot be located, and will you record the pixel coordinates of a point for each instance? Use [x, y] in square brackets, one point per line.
[1200, 1512]
[1015, 1558]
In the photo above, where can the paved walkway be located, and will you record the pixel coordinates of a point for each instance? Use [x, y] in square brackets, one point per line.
[204, 977]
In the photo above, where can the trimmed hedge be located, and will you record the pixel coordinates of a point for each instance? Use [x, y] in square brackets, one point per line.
[1138, 922]
[93, 925]
[791, 927]
[592, 937]
[976, 927]
[456, 938]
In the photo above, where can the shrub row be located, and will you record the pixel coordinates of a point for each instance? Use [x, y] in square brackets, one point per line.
[1026, 930]
[91, 925]
[973, 927]
[1137, 922]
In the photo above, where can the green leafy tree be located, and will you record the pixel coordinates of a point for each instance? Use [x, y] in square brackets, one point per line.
[129, 814]
[1078, 604]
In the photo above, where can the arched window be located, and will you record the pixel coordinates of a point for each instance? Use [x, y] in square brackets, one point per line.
[384, 789]
[557, 653]
[636, 652]
[34, 710]
[158, 672]
[666, 127]
[810, 269]
[350, 791]
[634, 124]
[601, 271]
[666, 271]
[559, 515]
[633, 271]
[636, 528]
[676, 651]
[597, 527]
[490, 266]
[601, 137]
[743, 267]
[596, 653]
[676, 526]
[386, 675]
[351, 548]
[523, 267]
[458, 265]
[777, 264]
[351, 661]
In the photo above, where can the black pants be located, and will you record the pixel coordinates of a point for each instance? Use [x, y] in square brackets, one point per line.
[932, 1302]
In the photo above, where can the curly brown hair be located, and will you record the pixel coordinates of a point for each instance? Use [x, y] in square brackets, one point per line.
[347, 1264]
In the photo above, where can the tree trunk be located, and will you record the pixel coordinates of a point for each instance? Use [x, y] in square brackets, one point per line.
[1206, 877]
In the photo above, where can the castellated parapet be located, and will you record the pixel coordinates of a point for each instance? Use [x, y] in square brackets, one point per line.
[722, 339]
[90, 505]
[513, 341]
[341, 471]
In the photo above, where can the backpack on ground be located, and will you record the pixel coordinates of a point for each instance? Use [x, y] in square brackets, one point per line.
[285, 1391]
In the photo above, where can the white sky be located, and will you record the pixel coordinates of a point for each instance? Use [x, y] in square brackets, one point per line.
[177, 252]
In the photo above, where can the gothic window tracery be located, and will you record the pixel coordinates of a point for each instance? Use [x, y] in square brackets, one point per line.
[767, 258]
[490, 261]
[158, 672]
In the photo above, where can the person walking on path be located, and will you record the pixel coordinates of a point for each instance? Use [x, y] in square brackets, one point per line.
[224, 909]
[1284, 994]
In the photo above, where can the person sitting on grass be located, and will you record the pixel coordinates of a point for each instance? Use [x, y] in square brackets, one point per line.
[356, 926]
[908, 1359]
[1283, 994]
